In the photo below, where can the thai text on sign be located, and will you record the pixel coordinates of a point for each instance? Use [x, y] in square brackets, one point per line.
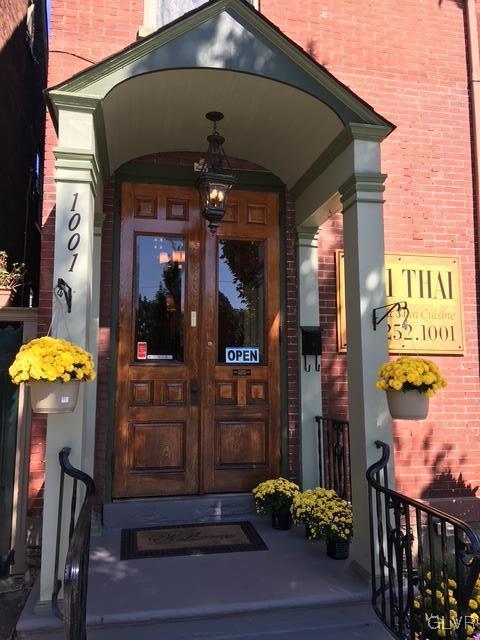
[431, 287]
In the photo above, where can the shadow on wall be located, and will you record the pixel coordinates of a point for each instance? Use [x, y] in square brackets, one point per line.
[443, 484]
[447, 489]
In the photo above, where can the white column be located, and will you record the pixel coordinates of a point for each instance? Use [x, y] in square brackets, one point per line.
[366, 349]
[77, 178]
[310, 381]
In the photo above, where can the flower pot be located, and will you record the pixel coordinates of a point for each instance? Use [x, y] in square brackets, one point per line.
[407, 405]
[6, 296]
[54, 397]
[338, 549]
[282, 520]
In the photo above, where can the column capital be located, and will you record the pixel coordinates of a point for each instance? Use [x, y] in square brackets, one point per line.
[307, 236]
[362, 187]
[76, 165]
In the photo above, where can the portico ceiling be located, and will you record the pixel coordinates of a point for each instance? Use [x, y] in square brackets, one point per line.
[266, 122]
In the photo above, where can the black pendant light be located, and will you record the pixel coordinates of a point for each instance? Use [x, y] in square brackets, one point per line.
[215, 179]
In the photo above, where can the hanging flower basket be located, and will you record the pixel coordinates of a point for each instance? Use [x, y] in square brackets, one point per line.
[54, 397]
[53, 368]
[407, 405]
[409, 384]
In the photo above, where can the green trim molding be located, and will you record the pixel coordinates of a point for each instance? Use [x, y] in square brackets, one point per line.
[362, 187]
[353, 131]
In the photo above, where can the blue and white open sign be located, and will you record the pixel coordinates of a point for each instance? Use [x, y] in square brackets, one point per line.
[242, 355]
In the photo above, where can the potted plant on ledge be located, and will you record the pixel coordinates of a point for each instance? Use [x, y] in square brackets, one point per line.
[53, 368]
[409, 384]
[9, 280]
[275, 497]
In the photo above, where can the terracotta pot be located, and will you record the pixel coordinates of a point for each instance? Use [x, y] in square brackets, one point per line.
[282, 520]
[407, 405]
[6, 296]
[53, 397]
[338, 549]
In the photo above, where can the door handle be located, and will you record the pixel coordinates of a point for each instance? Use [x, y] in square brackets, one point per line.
[193, 392]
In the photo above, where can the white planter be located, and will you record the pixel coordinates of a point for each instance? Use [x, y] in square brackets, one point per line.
[54, 397]
[407, 405]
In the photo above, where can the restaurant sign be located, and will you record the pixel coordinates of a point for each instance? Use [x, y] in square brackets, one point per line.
[431, 287]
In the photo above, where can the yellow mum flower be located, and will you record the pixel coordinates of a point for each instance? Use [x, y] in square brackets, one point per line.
[52, 359]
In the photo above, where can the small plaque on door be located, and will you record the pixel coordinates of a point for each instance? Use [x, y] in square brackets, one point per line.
[242, 372]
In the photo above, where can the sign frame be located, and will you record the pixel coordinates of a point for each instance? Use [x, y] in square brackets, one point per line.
[418, 332]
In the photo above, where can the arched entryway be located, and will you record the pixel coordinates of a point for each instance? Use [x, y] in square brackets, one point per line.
[284, 112]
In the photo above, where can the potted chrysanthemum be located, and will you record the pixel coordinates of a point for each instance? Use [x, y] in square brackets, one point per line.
[327, 517]
[53, 368]
[275, 497]
[409, 384]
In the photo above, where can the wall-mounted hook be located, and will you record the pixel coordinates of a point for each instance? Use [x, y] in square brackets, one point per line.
[306, 367]
[317, 365]
[63, 289]
[400, 306]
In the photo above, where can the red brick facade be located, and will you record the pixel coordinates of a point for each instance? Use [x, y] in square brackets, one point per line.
[408, 60]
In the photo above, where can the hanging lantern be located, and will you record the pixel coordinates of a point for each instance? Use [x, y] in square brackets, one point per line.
[215, 179]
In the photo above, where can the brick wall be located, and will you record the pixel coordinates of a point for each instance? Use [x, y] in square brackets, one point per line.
[408, 61]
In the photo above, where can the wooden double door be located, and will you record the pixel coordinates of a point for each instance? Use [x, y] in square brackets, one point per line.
[198, 355]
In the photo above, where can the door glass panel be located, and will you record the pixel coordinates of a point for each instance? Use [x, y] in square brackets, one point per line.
[160, 296]
[241, 266]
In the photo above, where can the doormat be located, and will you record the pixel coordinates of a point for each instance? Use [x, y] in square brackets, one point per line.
[190, 539]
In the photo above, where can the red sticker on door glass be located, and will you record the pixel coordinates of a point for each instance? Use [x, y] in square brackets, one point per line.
[141, 350]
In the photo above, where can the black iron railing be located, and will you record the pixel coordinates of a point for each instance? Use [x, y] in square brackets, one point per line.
[75, 580]
[334, 455]
[425, 564]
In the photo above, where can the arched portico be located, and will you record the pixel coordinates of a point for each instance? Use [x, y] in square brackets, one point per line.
[284, 112]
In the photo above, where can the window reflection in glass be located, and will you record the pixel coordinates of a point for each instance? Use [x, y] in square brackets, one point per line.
[240, 295]
[160, 295]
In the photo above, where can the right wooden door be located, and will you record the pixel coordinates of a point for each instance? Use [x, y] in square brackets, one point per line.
[240, 339]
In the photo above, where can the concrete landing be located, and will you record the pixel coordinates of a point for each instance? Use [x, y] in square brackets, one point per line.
[290, 591]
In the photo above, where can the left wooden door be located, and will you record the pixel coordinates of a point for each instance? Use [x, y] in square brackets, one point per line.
[157, 415]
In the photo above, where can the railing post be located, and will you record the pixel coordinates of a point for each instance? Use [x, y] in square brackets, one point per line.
[76, 566]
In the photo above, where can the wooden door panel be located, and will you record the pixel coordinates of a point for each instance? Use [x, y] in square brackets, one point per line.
[157, 435]
[241, 415]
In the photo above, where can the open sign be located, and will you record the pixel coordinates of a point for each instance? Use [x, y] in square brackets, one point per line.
[241, 355]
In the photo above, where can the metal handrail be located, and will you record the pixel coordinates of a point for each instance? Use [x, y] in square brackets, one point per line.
[425, 563]
[334, 455]
[75, 582]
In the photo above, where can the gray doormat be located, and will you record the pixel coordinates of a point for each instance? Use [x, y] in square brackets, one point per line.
[190, 539]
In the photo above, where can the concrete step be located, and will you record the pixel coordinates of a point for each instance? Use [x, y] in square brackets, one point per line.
[124, 514]
[329, 622]
[289, 591]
